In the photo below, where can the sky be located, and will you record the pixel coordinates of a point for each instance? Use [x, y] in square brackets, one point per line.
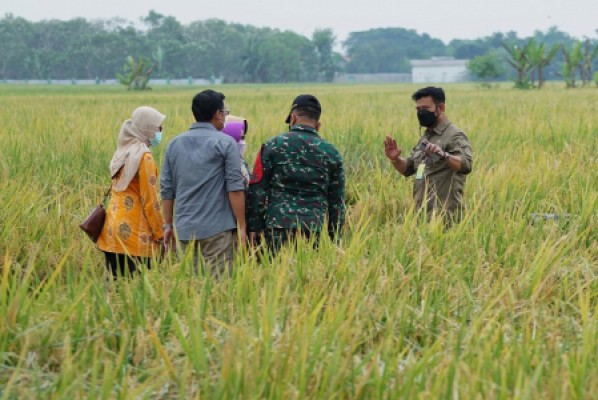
[445, 20]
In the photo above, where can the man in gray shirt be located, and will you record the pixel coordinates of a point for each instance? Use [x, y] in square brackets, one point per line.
[201, 172]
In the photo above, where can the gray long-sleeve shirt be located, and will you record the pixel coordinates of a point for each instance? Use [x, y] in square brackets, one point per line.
[199, 168]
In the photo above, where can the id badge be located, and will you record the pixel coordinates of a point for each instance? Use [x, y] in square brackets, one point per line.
[420, 171]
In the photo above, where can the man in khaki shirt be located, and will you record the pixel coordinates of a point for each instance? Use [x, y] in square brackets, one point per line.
[441, 159]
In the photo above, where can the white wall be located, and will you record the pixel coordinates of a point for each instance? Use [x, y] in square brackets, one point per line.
[439, 74]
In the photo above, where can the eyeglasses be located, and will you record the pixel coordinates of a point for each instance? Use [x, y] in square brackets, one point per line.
[225, 111]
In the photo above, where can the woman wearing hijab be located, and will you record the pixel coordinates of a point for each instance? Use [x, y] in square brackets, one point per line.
[133, 228]
[236, 127]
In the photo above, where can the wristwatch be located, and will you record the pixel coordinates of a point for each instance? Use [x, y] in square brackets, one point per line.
[166, 226]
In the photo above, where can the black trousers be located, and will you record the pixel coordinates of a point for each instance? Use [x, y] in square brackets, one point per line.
[123, 265]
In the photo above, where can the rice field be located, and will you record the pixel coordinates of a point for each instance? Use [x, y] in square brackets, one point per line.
[503, 305]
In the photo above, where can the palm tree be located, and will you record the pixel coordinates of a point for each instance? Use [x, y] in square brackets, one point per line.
[540, 59]
[588, 57]
[573, 62]
[518, 59]
[136, 73]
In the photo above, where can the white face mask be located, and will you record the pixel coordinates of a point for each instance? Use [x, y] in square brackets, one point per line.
[242, 146]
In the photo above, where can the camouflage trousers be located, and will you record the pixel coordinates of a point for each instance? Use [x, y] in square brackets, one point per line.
[277, 237]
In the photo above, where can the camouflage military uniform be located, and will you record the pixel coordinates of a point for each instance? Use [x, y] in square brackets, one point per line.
[298, 182]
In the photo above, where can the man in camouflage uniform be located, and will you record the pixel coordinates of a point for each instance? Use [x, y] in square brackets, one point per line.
[440, 161]
[298, 181]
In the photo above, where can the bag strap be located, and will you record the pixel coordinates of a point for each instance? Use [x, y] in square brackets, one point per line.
[110, 188]
[106, 194]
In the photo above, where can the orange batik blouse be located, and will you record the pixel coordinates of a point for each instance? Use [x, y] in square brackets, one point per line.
[133, 220]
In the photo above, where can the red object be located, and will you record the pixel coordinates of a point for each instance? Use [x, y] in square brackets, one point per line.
[258, 169]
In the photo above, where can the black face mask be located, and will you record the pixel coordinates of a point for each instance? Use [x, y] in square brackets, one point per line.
[426, 118]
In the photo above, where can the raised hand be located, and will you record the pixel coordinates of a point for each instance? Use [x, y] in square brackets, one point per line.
[391, 150]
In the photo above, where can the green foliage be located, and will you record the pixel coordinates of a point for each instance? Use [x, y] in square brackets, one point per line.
[389, 49]
[136, 73]
[539, 58]
[498, 307]
[203, 49]
[518, 58]
[81, 49]
[588, 58]
[579, 58]
[469, 49]
[273, 56]
[573, 63]
[328, 66]
[596, 78]
[488, 67]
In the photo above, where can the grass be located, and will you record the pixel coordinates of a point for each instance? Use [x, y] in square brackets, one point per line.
[497, 307]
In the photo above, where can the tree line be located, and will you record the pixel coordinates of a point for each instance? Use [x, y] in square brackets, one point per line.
[84, 49]
[530, 60]
[101, 49]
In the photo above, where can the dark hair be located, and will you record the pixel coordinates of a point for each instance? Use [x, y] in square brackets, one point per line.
[436, 93]
[308, 112]
[205, 104]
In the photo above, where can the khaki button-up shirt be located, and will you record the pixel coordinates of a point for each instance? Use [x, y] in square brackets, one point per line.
[440, 186]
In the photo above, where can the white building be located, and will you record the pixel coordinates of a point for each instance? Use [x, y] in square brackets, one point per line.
[439, 70]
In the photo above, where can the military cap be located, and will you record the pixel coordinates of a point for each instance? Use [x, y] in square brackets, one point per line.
[305, 101]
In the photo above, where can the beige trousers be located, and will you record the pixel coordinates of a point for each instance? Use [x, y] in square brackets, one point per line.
[217, 252]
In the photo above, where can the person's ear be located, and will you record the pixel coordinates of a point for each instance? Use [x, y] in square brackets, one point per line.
[441, 108]
[318, 125]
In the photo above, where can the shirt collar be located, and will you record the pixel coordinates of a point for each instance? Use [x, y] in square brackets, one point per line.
[440, 128]
[203, 125]
[304, 128]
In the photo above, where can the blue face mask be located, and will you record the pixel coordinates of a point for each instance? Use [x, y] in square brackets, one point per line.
[156, 140]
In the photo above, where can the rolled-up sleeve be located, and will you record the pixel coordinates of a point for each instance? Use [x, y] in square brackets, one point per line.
[410, 170]
[232, 167]
[166, 181]
[459, 146]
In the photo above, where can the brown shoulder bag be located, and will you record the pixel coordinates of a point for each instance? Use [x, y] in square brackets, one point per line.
[94, 222]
